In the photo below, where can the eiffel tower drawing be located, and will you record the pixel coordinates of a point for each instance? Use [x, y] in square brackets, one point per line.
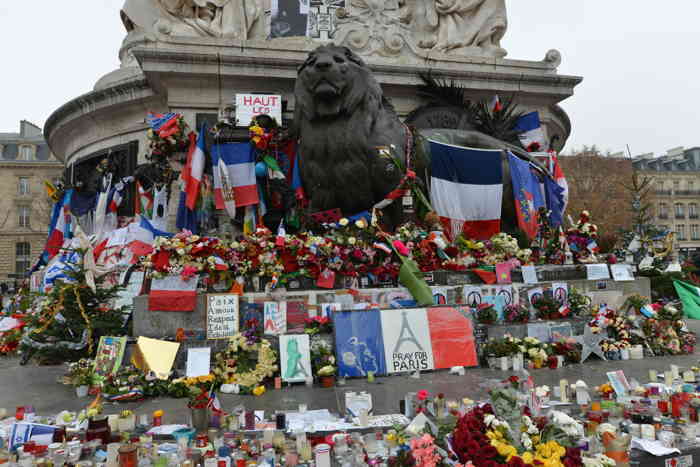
[406, 335]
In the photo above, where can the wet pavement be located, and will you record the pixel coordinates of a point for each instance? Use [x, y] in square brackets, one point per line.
[38, 386]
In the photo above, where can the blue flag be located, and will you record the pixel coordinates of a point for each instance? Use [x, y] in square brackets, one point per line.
[555, 201]
[527, 194]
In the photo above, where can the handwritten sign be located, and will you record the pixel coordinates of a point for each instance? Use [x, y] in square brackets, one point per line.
[249, 106]
[222, 316]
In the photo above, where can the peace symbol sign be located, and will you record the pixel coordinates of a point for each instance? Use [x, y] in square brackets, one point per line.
[560, 295]
[507, 296]
[535, 297]
[474, 299]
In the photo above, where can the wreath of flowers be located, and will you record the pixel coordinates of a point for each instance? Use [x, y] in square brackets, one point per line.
[247, 361]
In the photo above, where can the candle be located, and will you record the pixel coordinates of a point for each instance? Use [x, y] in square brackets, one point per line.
[674, 370]
[504, 364]
[668, 377]
[563, 387]
[689, 376]
[653, 376]
[595, 406]
[278, 383]
[370, 376]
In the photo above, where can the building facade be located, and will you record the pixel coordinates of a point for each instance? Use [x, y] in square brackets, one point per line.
[675, 195]
[25, 210]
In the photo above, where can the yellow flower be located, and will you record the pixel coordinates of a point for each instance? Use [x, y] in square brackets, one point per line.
[158, 413]
[390, 437]
[528, 458]
[361, 223]
[494, 435]
[256, 130]
[344, 221]
[259, 391]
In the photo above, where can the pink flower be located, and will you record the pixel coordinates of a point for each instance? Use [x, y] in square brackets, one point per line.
[401, 248]
[188, 272]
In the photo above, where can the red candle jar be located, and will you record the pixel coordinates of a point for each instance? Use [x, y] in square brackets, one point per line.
[128, 456]
[676, 408]
[663, 406]
[29, 447]
[157, 421]
[19, 413]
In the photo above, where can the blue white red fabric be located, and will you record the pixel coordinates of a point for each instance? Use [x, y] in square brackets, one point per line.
[60, 267]
[193, 172]
[163, 124]
[530, 131]
[527, 194]
[467, 189]
[554, 195]
[234, 176]
[496, 105]
[215, 404]
[559, 177]
[60, 227]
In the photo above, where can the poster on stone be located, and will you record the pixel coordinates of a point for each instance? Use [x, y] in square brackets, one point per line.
[472, 295]
[222, 316]
[108, 359]
[295, 358]
[407, 344]
[323, 19]
[275, 318]
[289, 18]
[359, 346]
[249, 106]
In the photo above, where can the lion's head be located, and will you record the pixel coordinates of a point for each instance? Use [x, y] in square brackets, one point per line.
[333, 81]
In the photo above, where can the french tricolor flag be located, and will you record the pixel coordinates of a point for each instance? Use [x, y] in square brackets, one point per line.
[234, 175]
[530, 132]
[60, 225]
[467, 189]
[173, 293]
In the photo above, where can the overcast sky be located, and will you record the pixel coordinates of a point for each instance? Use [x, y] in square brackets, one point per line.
[638, 59]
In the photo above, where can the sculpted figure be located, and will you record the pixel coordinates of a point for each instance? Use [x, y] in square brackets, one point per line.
[342, 118]
[471, 23]
[239, 19]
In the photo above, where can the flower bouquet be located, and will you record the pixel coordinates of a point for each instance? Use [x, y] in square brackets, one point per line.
[485, 313]
[516, 313]
[323, 363]
[547, 308]
[318, 325]
[247, 361]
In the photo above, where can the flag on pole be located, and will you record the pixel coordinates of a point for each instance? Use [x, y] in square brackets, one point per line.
[234, 176]
[496, 105]
[530, 132]
[554, 195]
[163, 124]
[60, 229]
[467, 189]
[172, 293]
[690, 297]
[526, 191]
[194, 169]
[559, 177]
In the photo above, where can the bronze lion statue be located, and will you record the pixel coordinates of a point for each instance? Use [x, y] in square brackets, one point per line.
[342, 118]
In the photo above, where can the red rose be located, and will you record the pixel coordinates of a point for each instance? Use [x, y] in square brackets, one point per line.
[488, 452]
[516, 461]
[422, 395]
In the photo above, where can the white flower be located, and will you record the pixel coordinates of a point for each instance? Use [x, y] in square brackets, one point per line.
[489, 419]
[526, 441]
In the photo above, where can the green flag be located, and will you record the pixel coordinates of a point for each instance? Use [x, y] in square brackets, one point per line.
[411, 277]
[690, 297]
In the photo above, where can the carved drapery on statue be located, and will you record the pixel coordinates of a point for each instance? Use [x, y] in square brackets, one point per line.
[459, 27]
[238, 19]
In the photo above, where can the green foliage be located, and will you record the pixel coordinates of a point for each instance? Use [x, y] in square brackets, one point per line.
[55, 332]
[662, 283]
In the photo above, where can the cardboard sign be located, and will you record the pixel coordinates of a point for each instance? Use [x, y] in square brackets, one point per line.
[597, 272]
[249, 106]
[222, 316]
[622, 272]
[275, 318]
[110, 352]
[198, 362]
[295, 357]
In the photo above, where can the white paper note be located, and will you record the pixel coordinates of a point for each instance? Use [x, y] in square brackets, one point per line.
[198, 361]
[529, 274]
[597, 272]
[622, 272]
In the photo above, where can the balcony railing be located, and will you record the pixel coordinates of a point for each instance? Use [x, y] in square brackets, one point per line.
[686, 192]
[680, 216]
[663, 216]
[663, 192]
[693, 216]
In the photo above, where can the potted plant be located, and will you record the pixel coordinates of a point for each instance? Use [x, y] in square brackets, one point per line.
[485, 313]
[80, 376]
[323, 363]
[199, 388]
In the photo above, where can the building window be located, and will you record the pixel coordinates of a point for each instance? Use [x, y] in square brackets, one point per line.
[26, 153]
[663, 211]
[691, 185]
[680, 211]
[23, 257]
[23, 185]
[694, 232]
[24, 216]
[693, 210]
[676, 185]
[660, 185]
[680, 231]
